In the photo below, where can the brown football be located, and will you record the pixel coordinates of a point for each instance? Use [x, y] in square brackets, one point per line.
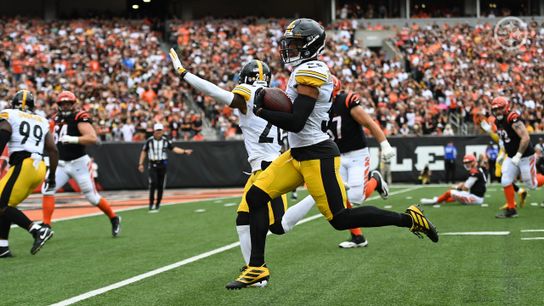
[275, 99]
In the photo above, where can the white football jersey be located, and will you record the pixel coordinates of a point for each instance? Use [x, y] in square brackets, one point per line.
[27, 131]
[260, 137]
[315, 74]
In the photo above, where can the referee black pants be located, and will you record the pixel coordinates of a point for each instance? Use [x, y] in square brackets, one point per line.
[157, 181]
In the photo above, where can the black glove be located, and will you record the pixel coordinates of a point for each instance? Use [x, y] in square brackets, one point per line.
[49, 185]
[258, 100]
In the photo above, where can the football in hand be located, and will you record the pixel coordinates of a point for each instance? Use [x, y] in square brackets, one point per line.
[275, 99]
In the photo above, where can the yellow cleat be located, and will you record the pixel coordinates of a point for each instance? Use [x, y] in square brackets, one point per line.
[249, 276]
[522, 193]
[420, 224]
[505, 206]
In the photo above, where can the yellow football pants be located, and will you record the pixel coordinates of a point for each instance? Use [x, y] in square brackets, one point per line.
[20, 181]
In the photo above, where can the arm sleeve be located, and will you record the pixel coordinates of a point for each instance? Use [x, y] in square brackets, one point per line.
[209, 89]
[146, 146]
[292, 122]
[169, 145]
[470, 181]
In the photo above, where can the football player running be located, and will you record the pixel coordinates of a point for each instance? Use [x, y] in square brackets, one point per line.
[26, 135]
[74, 131]
[261, 140]
[520, 154]
[313, 159]
[472, 191]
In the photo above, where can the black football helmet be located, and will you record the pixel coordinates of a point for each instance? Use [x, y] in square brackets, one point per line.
[255, 71]
[23, 100]
[303, 40]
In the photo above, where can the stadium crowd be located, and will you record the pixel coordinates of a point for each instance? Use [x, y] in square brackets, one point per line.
[120, 71]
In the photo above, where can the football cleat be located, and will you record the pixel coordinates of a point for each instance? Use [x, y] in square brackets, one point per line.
[5, 252]
[507, 213]
[522, 193]
[505, 206]
[420, 224]
[153, 210]
[354, 242]
[382, 188]
[260, 284]
[115, 226]
[425, 201]
[249, 276]
[41, 236]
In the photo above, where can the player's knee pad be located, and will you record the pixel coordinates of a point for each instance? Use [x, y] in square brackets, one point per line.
[255, 196]
[531, 184]
[93, 197]
[277, 228]
[242, 218]
[356, 196]
[339, 221]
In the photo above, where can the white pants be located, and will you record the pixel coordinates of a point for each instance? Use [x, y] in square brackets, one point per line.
[80, 170]
[526, 168]
[354, 169]
[465, 197]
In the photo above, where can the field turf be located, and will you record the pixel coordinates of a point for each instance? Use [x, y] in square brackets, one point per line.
[307, 267]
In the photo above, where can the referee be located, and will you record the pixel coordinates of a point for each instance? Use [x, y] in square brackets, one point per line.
[155, 147]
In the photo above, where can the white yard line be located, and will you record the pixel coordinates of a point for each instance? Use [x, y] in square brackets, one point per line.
[532, 230]
[497, 233]
[533, 238]
[178, 264]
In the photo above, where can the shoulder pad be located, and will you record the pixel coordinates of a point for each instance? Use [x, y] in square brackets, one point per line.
[82, 116]
[512, 117]
[4, 114]
[352, 100]
[243, 90]
[314, 73]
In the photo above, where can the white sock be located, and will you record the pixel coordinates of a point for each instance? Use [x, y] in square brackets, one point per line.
[296, 212]
[3, 243]
[245, 241]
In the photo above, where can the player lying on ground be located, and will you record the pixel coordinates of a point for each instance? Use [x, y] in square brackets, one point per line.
[520, 154]
[313, 159]
[74, 131]
[261, 140]
[27, 137]
[472, 191]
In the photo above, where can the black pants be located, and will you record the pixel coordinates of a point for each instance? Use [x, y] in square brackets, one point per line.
[492, 176]
[157, 181]
[450, 171]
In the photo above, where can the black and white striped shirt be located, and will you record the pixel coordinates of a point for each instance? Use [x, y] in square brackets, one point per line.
[156, 149]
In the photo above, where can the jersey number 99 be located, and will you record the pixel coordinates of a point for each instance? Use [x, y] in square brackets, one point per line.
[26, 131]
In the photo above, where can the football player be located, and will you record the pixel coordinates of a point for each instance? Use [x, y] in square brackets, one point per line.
[520, 154]
[262, 143]
[26, 135]
[314, 158]
[472, 191]
[74, 131]
[490, 129]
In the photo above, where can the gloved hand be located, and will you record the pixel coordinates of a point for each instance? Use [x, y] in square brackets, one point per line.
[516, 159]
[69, 139]
[258, 100]
[485, 126]
[177, 63]
[49, 186]
[387, 151]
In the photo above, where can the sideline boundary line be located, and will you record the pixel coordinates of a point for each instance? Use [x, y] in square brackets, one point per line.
[186, 261]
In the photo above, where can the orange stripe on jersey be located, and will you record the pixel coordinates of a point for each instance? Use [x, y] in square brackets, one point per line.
[82, 115]
[511, 117]
[348, 98]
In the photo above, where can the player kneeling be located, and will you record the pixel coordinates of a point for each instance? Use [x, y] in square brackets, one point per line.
[472, 191]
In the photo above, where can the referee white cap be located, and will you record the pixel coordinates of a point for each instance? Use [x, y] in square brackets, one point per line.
[158, 127]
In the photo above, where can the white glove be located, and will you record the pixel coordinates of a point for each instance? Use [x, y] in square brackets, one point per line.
[387, 151]
[485, 126]
[516, 159]
[49, 187]
[177, 63]
[69, 139]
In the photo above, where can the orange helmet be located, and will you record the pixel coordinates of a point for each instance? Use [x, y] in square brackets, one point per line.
[66, 96]
[468, 161]
[337, 86]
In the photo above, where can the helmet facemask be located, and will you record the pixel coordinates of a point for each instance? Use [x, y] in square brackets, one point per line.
[66, 108]
[294, 50]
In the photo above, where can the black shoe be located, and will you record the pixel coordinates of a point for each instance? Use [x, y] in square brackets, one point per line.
[5, 252]
[115, 226]
[382, 188]
[46, 225]
[41, 236]
[354, 242]
[507, 213]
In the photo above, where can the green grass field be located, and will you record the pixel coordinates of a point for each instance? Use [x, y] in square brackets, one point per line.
[307, 267]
